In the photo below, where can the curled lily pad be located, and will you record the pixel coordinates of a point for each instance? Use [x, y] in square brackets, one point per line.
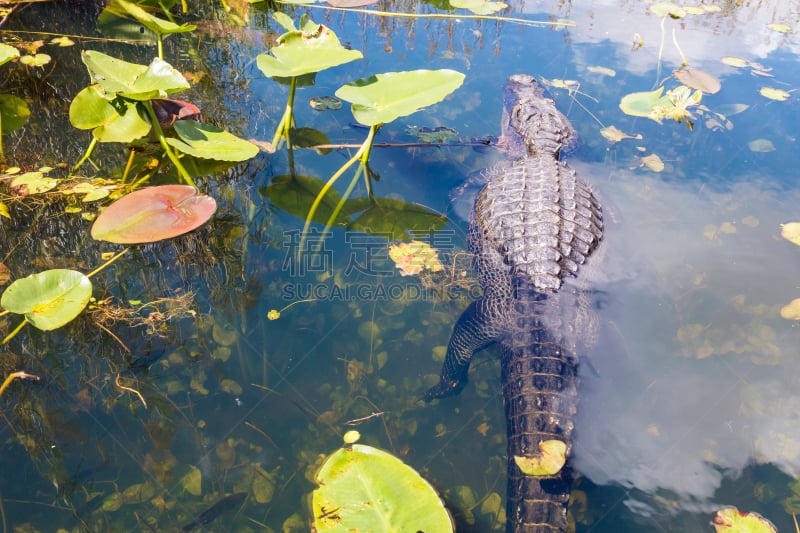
[49, 299]
[153, 214]
[550, 460]
[137, 82]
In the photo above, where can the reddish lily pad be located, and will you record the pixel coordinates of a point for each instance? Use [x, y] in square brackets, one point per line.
[154, 214]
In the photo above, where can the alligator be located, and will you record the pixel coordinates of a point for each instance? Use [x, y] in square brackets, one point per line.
[532, 226]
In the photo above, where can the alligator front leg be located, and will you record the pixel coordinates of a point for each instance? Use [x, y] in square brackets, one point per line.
[478, 327]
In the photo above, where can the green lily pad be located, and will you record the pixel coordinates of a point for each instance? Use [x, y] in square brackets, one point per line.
[641, 104]
[479, 7]
[210, 142]
[732, 520]
[115, 120]
[35, 60]
[122, 8]
[295, 195]
[32, 183]
[7, 53]
[49, 299]
[13, 111]
[131, 80]
[153, 214]
[398, 220]
[384, 97]
[299, 52]
[362, 488]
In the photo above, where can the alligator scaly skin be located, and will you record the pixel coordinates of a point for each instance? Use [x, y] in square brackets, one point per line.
[534, 223]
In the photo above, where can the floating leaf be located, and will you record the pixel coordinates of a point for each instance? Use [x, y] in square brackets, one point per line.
[698, 79]
[615, 135]
[550, 461]
[32, 183]
[413, 257]
[479, 7]
[192, 482]
[48, 299]
[137, 82]
[91, 192]
[63, 42]
[791, 311]
[295, 195]
[737, 62]
[732, 520]
[305, 51]
[641, 104]
[14, 112]
[761, 145]
[159, 26]
[365, 489]
[653, 162]
[323, 103]
[4, 212]
[7, 53]
[791, 232]
[780, 28]
[396, 219]
[602, 70]
[774, 94]
[384, 97]
[210, 142]
[153, 214]
[663, 9]
[36, 60]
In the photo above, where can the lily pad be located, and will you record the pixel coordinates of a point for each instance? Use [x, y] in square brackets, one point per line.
[35, 60]
[737, 62]
[791, 311]
[32, 183]
[411, 258]
[732, 520]
[397, 219]
[131, 80]
[210, 142]
[124, 9]
[653, 162]
[14, 112]
[605, 71]
[479, 7]
[115, 120]
[761, 145]
[49, 299]
[550, 461]
[384, 97]
[153, 214]
[641, 104]
[362, 488]
[299, 52]
[774, 94]
[614, 134]
[698, 79]
[780, 28]
[791, 232]
[7, 53]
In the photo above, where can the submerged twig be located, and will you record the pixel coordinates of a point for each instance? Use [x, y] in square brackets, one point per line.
[14, 375]
[129, 389]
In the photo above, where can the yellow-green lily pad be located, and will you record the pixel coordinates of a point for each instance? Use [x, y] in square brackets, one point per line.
[732, 520]
[48, 299]
[550, 461]
[774, 94]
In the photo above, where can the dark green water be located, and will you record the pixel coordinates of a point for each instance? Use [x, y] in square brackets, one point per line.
[688, 402]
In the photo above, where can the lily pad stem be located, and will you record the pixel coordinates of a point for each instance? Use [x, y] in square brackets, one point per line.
[325, 188]
[107, 263]
[16, 330]
[128, 166]
[282, 132]
[86, 155]
[167, 150]
[14, 375]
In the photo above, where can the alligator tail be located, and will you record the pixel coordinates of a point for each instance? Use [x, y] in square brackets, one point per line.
[539, 391]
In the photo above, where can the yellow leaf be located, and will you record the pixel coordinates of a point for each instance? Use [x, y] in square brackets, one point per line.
[193, 481]
[4, 210]
[653, 162]
[791, 311]
[615, 135]
[780, 28]
[602, 70]
[774, 94]
[413, 257]
[551, 460]
[737, 62]
[791, 232]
